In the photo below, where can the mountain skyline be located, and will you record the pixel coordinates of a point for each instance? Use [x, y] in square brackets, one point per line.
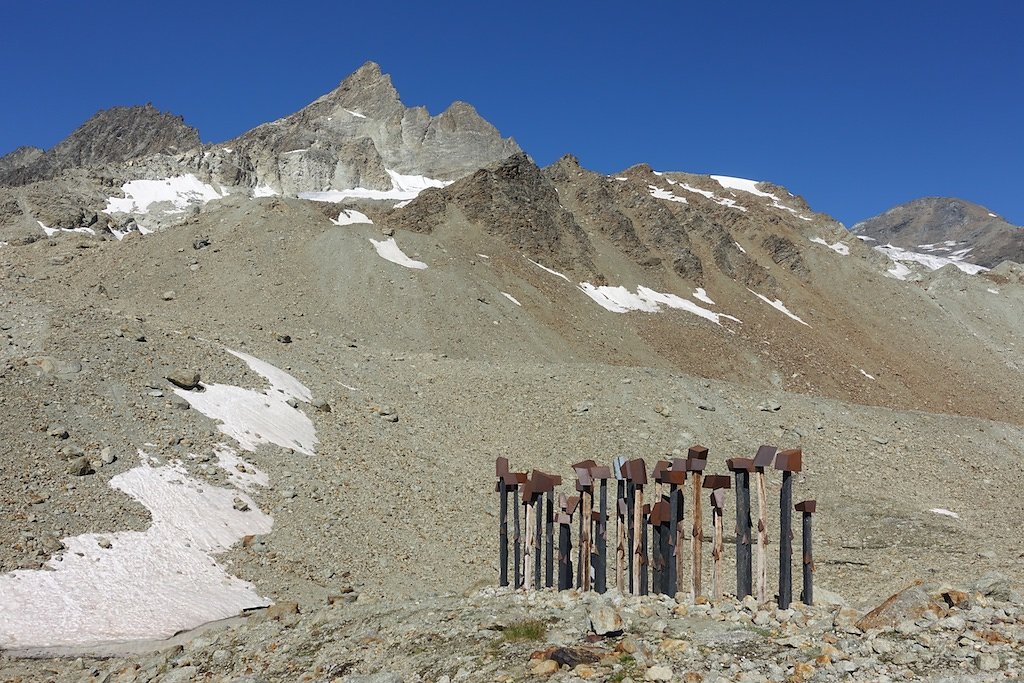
[792, 96]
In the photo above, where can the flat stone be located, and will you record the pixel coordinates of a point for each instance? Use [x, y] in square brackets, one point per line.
[987, 661]
[605, 620]
[658, 673]
[185, 379]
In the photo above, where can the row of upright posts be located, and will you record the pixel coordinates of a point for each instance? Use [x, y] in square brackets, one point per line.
[640, 561]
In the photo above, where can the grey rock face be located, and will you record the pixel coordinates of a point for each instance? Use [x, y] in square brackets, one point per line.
[113, 135]
[933, 221]
[350, 135]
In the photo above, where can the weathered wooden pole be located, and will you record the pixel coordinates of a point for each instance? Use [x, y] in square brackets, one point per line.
[764, 458]
[530, 509]
[544, 484]
[517, 539]
[807, 507]
[585, 487]
[789, 462]
[618, 469]
[696, 461]
[741, 468]
[567, 508]
[717, 484]
[601, 474]
[636, 471]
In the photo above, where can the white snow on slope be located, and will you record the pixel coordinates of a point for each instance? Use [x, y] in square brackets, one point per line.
[264, 191]
[553, 272]
[777, 305]
[945, 513]
[865, 238]
[723, 201]
[621, 300]
[179, 191]
[838, 247]
[659, 193]
[351, 217]
[50, 232]
[403, 188]
[511, 298]
[356, 114]
[388, 249]
[241, 474]
[252, 417]
[147, 584]
[750, 186]
[865, 373]
[930, 261]
[701, 295]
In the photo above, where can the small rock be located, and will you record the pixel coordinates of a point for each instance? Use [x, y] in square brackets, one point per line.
[185, 379]
[284, 338]
[169, 295]
[605, 620]
[104, 543]
[770, 407]
[581, 407]
[987, 661]
[240, 505]
[80, 466]
[321, 405]
[288, 494]
[107, 456]
[282, 609]
[658, 673]
[994, 585]
[543, 667]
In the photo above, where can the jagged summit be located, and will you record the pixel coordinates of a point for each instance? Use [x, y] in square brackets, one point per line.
[947, 225]
[112, 135]
[349, 136]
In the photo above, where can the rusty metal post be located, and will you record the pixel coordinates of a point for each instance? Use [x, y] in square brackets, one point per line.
[789, 462]
[601, 474]
[585, 487]
[501, 467]
[568, 507]
[636, 471]
[764, 458]
[807, 507]
[741, 468]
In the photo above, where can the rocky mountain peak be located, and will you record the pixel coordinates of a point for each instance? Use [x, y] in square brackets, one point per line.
[367, 91]
[110, 136]
[947, 224]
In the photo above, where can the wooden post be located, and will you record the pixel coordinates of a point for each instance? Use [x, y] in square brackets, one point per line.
[543, 487]
[696, 461]
[789, 462]
[549, 538]
[530, 504]
[637, 472]
[618, 465]
[765, 456]
[679, 513]
[585, 486]
[661, 515]
[807, 507]
[718, 485]
[517, 541]
[741, 468]
[630, 532]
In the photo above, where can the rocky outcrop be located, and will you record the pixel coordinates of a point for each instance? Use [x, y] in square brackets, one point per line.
[111, 136]
[944, 225]
[348, 137]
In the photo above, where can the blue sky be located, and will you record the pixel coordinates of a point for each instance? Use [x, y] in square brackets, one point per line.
[855, 106]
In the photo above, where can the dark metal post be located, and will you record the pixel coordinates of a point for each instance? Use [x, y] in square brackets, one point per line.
[789, 462]
[517, 547]
[645, 522]
[539, 529]
[807, 507]
[630, 498]
[549, 538]
[503, 534]
[741, 468]
[601, 568]
[568, 506]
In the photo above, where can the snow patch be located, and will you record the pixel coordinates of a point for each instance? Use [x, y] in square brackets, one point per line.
[241, 474]
[50, 232]
[180, 192]
[701, 295]
[389, 250]
[356, 114]
[863, 372]
[740, 247]
[750, 186]
[621, 300]
[944, 512]
[659, 193]
[264, 191]
[146, 584]
[865, 238]
[511, 298]
[930, 261]
[553, 272]
[351, 217]
[989, 290]
[838, 247]
[404, 188]
[252, 417]
[777, 305]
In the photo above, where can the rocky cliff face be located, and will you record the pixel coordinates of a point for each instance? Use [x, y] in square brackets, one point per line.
[348, 137]
[947, 225]
[111, 136]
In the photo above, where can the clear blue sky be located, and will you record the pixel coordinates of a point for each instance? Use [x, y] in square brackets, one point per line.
[857, 106]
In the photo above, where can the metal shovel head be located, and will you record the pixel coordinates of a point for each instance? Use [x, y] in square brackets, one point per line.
[765, 456]
[600, 472]
[696, 464]
[807, 506]
[659, 470]
[717, 481]
[636, 471]
[789, 460]
[697, 451]
[674, 477]
[618, 467]
[661, 513]
[740, 464]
